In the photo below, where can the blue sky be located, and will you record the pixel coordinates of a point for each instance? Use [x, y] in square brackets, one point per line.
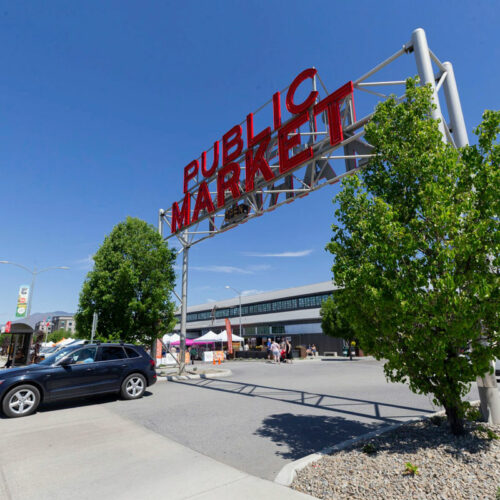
[104, 102]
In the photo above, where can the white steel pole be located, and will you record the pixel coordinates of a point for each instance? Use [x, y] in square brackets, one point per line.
[161, 213]
[425, 71]
[32, 287]
[457, 121]
[94, 327]
[182, 340]
[241, 333]
[489, 396]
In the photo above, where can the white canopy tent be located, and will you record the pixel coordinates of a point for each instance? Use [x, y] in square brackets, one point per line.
[170, 338]
[208, 337]
[222, 337]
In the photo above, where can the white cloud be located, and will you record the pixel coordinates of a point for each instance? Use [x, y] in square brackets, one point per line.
[86, 262]
[260, 267]
[211, 300]
[222, 269]
[301, 253]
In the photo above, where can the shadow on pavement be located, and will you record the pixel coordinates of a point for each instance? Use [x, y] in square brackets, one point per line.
[360, 407]
[83, 401]
[301, 435]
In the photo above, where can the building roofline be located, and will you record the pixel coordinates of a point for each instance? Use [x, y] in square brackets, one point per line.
[323, 286]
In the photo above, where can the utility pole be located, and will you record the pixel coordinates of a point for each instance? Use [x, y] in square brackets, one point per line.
[34, 274]
[183, 239]
[239, 297]
[94, 327]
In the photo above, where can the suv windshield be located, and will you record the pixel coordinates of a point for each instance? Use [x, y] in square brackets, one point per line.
[54, 358]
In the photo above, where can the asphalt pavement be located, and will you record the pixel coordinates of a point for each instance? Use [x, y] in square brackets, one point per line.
[207, 439]
[265, 416]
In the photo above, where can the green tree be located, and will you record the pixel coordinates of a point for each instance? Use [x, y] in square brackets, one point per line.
[130, 286]
[58, 335]
[417, 250]
[334, 324]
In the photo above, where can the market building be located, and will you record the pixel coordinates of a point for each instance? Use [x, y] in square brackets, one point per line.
[291, 312]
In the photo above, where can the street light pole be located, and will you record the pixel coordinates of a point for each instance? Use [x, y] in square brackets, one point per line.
[239, 297]
[34, 274]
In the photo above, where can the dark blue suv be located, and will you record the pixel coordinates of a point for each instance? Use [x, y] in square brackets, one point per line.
[74, 372]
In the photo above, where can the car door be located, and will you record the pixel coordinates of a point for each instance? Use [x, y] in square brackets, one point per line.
[111, 367]
[79, 378]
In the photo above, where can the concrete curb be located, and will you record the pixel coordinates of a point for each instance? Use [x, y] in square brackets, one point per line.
[288, 473]
[218, 374]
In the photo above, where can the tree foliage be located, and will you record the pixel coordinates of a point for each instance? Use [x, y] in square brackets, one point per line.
[58, 335]
[333, 323]
[416, 249]
[130, 286]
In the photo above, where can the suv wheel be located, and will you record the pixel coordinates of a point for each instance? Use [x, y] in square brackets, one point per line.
[133, 386]
[21, 401]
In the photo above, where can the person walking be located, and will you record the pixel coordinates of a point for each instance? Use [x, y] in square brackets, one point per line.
[275, 349]
[269, 352]
[193, 353]
[289, 351]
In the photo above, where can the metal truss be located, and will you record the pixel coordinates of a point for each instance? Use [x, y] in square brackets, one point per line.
[324, 168]
[329, 164]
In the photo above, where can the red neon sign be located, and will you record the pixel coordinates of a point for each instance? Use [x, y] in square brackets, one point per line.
[230, 186]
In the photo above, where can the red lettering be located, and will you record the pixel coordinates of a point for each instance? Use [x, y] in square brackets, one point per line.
[285, 144]
[203, 202]
[277, 110]
[180, 218]
[229, 142]
[251, 140]
[296, 109]
[190, 172]
[257, 162]
[232, 183]
[332, 106]
[215, 164]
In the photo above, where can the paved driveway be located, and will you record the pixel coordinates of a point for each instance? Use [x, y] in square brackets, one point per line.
[267, 415]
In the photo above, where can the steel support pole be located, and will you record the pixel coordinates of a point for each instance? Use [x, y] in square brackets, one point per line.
[32, 288]
[457, 121]
[161, 213]
[182, 340]
[240, 332]
[425, 71]
[489, 396]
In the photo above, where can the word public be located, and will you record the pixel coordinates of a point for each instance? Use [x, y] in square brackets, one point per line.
[229, 172]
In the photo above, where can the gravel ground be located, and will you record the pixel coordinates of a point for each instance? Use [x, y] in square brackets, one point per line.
[449, 467]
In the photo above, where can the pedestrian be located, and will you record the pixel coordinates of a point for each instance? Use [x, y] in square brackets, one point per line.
[193, 353]
[275, 349]
[269, 343]
[289, 351]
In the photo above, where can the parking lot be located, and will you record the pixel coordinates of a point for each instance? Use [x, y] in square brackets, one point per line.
[267, 415]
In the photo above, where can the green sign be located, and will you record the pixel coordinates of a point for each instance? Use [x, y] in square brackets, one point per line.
[22, 301]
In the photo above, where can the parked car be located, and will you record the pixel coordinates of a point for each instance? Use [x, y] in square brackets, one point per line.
[77, 371]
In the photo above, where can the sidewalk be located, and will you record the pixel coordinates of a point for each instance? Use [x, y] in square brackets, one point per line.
[88, 452]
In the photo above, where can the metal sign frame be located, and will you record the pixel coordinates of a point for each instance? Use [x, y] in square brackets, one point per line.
[318, 171]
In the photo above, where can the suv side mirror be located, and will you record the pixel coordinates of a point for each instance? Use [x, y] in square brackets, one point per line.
[66, 362]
